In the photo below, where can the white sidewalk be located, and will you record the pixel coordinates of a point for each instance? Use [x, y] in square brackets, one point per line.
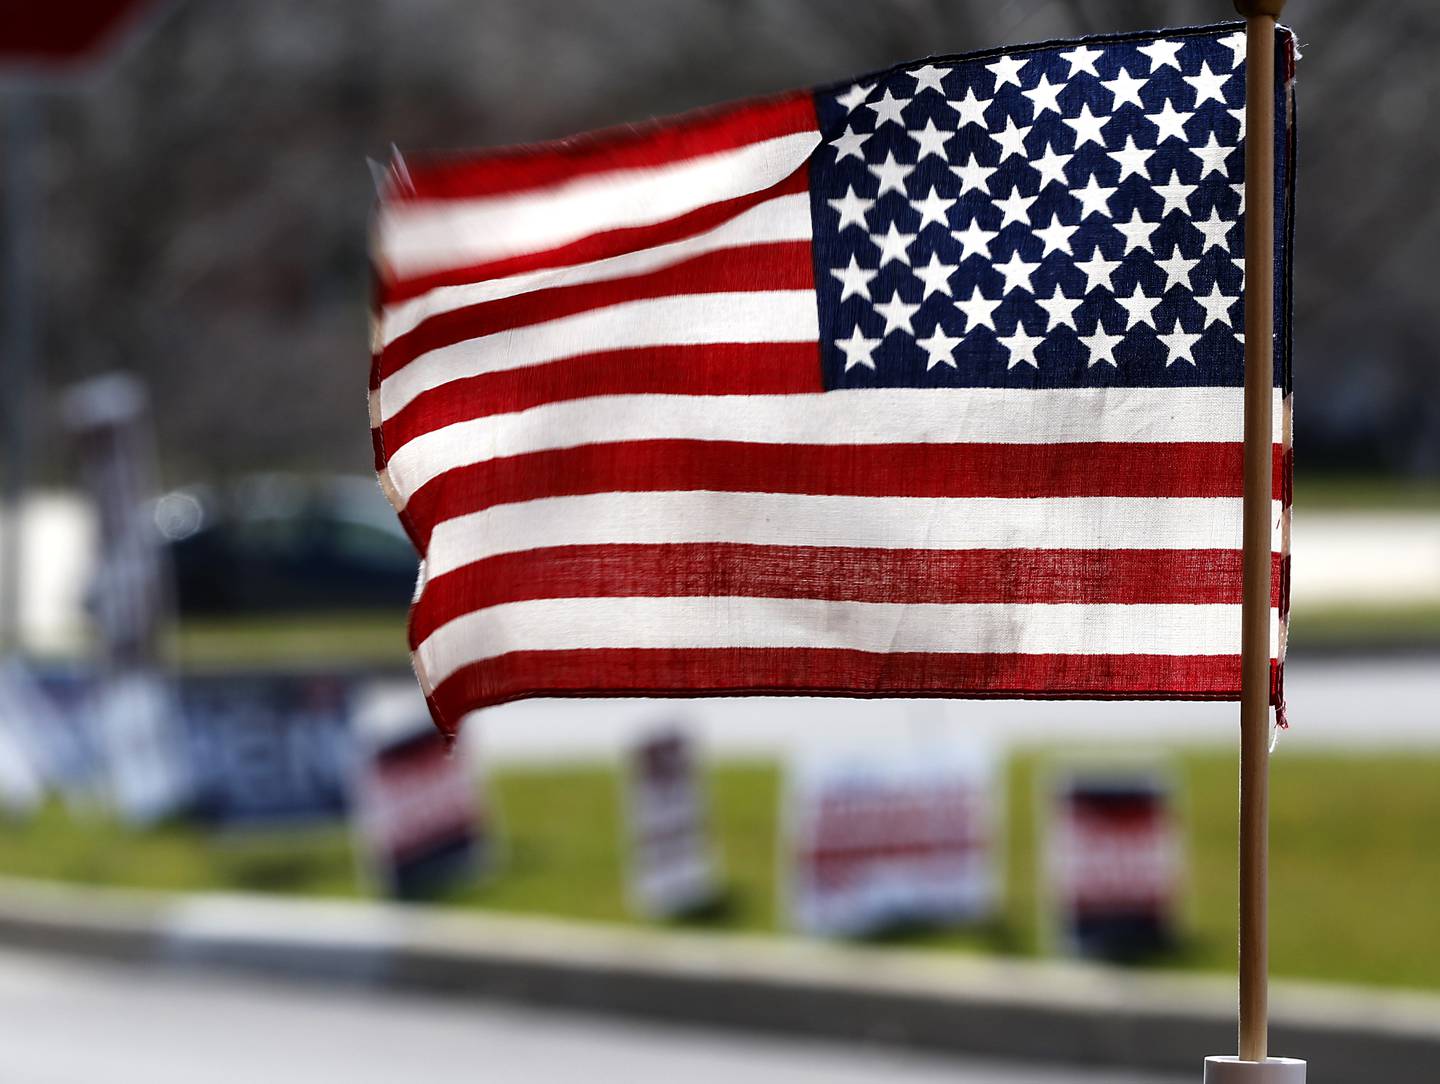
[69, 1022]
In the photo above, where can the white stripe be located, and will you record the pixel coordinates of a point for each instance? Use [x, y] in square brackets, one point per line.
[789, 519]
[759, 316]
[786, 218]
[723, 622]
[429, 236]
[853, 416]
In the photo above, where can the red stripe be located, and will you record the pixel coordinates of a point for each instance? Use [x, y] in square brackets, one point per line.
[1172, 469]
[595, 246]
[785, 265]
[837, 573]
[704, 369]
[506, 170]
[831, 672]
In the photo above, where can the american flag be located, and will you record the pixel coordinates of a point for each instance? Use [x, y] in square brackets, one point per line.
[926, 383]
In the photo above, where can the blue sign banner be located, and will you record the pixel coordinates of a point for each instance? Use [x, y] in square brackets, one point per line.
[268, 748]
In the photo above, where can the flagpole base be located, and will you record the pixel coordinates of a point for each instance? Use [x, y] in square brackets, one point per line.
[1231, 1070]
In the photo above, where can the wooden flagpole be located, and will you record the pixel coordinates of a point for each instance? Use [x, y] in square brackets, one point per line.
[1260, 16]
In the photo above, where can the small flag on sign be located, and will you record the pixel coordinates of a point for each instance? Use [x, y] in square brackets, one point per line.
[925, 383]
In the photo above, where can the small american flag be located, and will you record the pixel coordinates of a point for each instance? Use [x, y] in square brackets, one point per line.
[927, 383]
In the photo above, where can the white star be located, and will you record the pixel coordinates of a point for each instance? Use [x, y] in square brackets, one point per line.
[1239, 115]
[897, 314]
[1212, 157]
[851, 208]
[1139, 307]
[854, 279]
[1239, 261]
[1094, 200]
[1056, 237]
[1175, 195]
[1216, 231]
[858, 350]
[1207, 85]
[1011, 140]
[1043, 95]
[1087, 127]
[932, 208]
[1236, 44]
[1021, 347]
[1169, 122]
[1061, 309]
[936, 276]
[856, 95]
[1007, 70]
[1126, 88]
[1137, 232]
[1098, 271]
[929, 77]
[1131, 159]
[1014, 207]
[891, 175]
[940, 348]
[888, 110]
[1162, 54]
[1217, 306]
[849, 143]
[1017, 273]
[973, 175]
[1179, 344]
[1051, 167]
[971, 109]
[1082, 59]
[893, 245]
[1176, 268]
[1239, 190]
[931, 139]
[979, 310]
[1101, 345]
[974, 240]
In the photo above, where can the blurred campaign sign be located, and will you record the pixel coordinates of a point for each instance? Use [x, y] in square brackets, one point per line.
[892, 837]
[51, 706]
[268, 749]
[134, 714]
[22, 778]
[1114, 860]
[672, 867]
[419, 816]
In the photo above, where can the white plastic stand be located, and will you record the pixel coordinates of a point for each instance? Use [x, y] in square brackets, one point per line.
[1231, 1070]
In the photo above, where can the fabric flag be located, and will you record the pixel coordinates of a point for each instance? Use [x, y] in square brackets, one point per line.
[926, 383]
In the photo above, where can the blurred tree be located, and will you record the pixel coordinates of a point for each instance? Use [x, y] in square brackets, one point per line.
[208, 196]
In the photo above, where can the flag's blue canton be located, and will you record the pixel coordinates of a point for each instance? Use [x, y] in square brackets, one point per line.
[1055, 217]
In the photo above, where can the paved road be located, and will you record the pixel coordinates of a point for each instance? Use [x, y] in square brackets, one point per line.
[1341, 702]
[66, 1022]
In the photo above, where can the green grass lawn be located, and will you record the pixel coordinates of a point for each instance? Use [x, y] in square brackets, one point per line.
[347, 640]
[1365, 493]
[1355, 866]
[378, 639]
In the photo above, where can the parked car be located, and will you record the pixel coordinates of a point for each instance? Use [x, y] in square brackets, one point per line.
[285, 544]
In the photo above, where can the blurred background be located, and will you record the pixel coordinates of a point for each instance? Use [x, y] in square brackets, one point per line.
[204, 681]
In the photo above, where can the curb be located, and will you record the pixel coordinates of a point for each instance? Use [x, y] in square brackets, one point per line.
[1039, 1011]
